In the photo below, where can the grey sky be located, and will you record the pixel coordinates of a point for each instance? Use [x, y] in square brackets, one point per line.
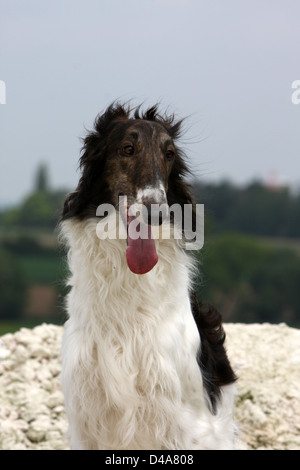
[228, 65]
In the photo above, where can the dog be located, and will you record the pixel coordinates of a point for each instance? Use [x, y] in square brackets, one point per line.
[143, 359]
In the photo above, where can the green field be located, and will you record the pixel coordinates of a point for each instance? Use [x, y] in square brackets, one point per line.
[43, 269]
[13, 326]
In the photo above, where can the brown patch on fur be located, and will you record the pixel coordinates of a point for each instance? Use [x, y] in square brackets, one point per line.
[146, 167]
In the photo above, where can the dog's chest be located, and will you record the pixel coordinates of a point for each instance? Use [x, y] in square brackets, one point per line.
[154, 353]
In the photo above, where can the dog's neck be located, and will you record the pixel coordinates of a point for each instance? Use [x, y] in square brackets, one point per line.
[103, 262]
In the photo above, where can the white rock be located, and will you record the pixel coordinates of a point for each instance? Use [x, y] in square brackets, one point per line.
[55, 399]
[21, 354]
[4, 352]
[266, 358]
[38, 428]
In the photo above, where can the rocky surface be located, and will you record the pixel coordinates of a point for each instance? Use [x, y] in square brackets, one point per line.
[31, 402]
[266, 359]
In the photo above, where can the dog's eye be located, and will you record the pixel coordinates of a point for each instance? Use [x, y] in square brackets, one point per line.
[128, 150]
[170, 154]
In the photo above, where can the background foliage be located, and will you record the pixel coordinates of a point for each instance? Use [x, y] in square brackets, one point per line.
[249, 266]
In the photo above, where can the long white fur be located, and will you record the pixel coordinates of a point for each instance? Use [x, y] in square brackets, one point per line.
[130, 375]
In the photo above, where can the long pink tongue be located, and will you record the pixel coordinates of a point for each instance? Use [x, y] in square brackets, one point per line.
[141, 252]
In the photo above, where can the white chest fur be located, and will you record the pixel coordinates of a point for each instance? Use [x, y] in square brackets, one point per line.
[130, 374]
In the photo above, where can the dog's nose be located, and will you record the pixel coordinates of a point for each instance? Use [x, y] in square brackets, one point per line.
[155, 206]
[155, 212]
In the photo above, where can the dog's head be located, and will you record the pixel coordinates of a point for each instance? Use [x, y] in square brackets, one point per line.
[135, 155]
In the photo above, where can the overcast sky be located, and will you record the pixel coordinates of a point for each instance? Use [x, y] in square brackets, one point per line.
[228, 65]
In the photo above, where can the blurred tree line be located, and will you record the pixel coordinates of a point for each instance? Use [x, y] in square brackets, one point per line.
[40, 209]
[254, 209]
[249, 280]
[249, 265]
[250, 262]
[31, 268]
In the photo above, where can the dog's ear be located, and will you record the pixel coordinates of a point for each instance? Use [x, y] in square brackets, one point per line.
[84, 201]
[179, 191]
[79, 202]
[68, 207]
[105, 121]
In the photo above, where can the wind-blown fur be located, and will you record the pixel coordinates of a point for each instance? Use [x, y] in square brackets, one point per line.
[143, 361]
